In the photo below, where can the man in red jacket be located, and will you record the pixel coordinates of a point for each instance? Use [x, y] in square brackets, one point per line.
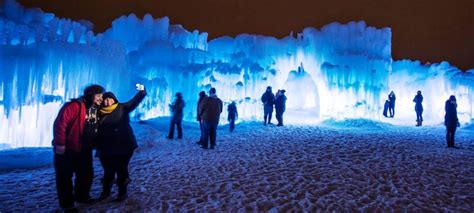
[74, 131]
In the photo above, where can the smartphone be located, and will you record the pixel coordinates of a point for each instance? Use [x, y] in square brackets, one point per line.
[140, 86]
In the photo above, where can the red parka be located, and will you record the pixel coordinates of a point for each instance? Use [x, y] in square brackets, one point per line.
[69, 125]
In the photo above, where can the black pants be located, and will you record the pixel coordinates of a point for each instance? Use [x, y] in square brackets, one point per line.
[267, 114]
[231, 124]
[176, 121]
[202, 132]
[450, 135]
[419, 115]
[115, 165]
[279, 116]
[391, 109]
[210, 133]
[65, 166]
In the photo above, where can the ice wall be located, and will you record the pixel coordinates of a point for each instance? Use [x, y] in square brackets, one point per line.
[339, 71]
[436, 82]
[332, 65]
[45, 61]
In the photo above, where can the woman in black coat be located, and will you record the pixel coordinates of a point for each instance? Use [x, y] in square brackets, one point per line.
[451, 119]
[116, 142]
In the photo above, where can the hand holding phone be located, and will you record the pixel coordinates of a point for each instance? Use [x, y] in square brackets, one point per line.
[140, 87]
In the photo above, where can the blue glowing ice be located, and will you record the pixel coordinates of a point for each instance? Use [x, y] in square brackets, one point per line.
[339, 71]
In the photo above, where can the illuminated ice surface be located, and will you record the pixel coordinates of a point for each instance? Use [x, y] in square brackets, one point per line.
[337, 72]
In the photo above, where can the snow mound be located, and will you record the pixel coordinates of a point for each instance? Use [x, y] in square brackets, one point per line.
[356, 123]
[468, 126]
[25, 158]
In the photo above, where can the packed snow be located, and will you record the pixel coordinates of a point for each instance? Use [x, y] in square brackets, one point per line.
[352, 165]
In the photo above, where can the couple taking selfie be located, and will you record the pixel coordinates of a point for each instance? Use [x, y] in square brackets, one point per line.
[96, 120]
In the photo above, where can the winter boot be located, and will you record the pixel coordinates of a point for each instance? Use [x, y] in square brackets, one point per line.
[122, 195]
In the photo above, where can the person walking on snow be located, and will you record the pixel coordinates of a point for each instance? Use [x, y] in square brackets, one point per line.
[232, 115]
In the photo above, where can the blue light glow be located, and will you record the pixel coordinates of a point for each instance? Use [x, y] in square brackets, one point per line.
[339, 71]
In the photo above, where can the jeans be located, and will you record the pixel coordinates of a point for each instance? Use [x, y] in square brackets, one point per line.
[419, 115]
[231, 124]
[202, 132]
[391, 109]
[279, 116]
[176, 121]
[210, 131]
[450, 135]
[267, 114]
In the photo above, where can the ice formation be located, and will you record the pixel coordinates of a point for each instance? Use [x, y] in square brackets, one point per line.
[339, 71]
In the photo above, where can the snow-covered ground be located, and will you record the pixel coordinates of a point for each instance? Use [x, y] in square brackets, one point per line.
[330, 166]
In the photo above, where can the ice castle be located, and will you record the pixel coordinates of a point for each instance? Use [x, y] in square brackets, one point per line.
[339, 71]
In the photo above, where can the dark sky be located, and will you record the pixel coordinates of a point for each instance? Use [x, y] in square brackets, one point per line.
[428, 30]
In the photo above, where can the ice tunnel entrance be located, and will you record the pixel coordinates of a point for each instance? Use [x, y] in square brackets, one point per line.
[302, 106]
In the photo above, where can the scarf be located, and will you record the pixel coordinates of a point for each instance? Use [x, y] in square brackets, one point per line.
[109, 109]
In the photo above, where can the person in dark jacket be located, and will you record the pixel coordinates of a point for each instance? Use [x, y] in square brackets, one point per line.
[116, 142]
[418, 108]
[74, 132]
[210, 110]
[177, 117]
[280, 106]
[451, 120]
[268, 100]
[385, 108]
[391, 107]
[202, 95]
[232, 115]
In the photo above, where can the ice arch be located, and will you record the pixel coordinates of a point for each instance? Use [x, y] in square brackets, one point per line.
[303, 94]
